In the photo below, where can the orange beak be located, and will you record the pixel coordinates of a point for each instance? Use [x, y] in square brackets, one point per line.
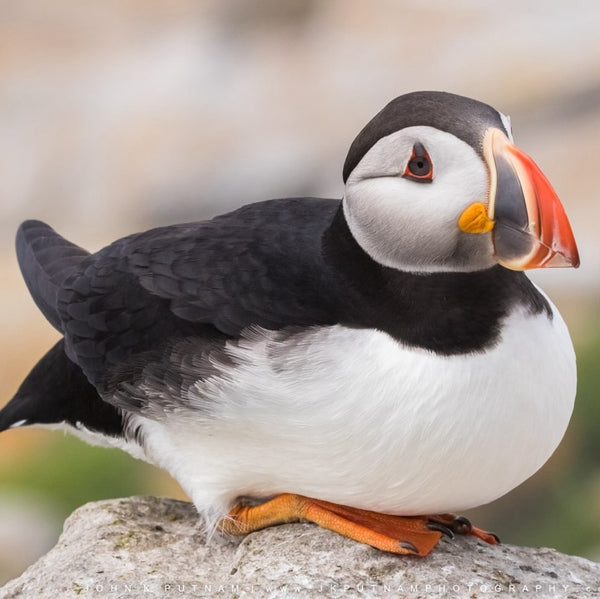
[531, 229]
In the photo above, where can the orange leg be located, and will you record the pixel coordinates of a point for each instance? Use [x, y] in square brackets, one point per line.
[398, 534]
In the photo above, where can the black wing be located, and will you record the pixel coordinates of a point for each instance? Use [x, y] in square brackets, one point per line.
[135, 301]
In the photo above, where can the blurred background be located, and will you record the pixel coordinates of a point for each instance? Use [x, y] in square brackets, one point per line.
[117, 116]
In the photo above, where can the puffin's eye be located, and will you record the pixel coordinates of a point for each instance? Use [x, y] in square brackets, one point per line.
[419, 167]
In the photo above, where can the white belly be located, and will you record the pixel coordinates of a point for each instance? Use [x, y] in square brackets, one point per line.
[351, 416]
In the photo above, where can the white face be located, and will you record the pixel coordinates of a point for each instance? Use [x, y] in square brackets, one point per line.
[413, 225]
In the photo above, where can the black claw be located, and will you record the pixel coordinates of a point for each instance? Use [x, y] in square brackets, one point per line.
[496, 537]
[440, 528]
[462, 525]
[408, 546]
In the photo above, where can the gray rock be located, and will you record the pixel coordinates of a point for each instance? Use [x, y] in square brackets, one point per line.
[145, 547]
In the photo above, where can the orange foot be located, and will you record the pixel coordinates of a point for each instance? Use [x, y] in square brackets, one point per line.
[412, 535]
[462, 526]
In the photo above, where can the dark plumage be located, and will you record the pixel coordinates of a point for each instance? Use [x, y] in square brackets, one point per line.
[128, 310]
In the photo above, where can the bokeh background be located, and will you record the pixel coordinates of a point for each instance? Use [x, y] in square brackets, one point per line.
[117, 116]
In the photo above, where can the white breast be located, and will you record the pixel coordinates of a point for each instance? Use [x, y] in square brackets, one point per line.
[352, 416]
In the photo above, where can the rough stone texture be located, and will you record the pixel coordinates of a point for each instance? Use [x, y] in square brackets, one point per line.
[148, 547]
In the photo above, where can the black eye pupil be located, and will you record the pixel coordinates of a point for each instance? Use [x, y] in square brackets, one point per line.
[419, 166]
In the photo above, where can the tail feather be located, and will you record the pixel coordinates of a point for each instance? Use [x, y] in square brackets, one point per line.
[13, 415]
[56, 391]
[46, 259]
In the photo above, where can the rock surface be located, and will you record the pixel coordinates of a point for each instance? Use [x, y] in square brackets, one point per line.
[147, 547]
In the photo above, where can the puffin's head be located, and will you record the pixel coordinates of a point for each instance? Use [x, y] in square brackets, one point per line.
[434, 183]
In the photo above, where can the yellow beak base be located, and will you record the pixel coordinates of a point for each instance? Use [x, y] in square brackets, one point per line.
[475, 219]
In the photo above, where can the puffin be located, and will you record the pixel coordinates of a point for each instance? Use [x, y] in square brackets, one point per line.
[374, 364]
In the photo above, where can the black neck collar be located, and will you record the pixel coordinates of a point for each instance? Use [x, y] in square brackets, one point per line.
[448, 313]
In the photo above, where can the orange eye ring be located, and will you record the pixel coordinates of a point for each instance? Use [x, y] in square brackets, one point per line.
[419, 166]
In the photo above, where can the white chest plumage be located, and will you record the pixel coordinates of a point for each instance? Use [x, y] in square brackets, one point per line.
[353, 417]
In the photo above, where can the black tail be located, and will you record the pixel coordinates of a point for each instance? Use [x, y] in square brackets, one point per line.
[46, 260]
[56, 391]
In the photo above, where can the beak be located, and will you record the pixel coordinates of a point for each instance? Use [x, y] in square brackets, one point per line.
[531, 229]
